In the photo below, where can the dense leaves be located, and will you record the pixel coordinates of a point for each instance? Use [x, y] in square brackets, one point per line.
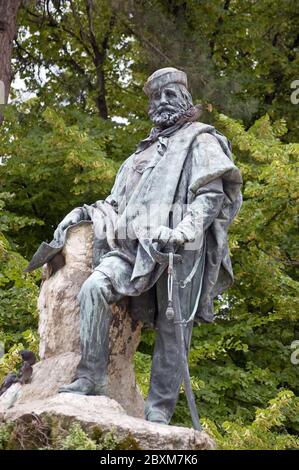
[54, 163]
[18, 293]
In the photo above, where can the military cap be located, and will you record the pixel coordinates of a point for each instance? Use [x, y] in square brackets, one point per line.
[164, 77]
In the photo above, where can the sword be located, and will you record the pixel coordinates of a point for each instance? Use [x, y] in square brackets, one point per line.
[173, 312]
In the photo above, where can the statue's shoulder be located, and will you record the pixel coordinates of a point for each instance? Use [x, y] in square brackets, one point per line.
[194, 129]
[126, 163]
[199, 126]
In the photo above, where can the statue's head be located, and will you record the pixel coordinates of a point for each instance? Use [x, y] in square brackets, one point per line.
[169, 98]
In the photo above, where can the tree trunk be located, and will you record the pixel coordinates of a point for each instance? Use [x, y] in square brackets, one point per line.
[8, 28]
[101, 95]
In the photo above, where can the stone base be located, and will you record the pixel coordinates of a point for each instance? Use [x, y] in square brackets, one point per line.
[59, 326]
[50, 374]
[96, 415]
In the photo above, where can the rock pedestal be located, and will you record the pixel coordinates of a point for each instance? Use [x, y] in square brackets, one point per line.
[59, 323]
[59, 326]
[38, 422]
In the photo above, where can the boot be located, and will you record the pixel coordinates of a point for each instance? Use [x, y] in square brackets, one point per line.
[80, 386]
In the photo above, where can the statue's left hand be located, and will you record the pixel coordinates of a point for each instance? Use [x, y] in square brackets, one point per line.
[70, 219]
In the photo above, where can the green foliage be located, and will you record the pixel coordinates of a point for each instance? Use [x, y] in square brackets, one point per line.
[87, 58]
[142, 365]
[77, 439]
[268, 431]
[238, 57]
[56, 162]
[94, 439]
[11, 360]
[5, 431]
[18, 294]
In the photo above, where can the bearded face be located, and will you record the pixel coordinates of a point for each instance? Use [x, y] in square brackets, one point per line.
[169, 104]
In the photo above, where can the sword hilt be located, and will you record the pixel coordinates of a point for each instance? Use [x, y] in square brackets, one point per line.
[163, 257]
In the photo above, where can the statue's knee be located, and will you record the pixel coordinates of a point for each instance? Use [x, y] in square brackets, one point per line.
[94, 285]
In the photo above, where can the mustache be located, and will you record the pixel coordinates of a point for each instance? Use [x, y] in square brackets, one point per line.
[165, 119]
[163, 111]
[167, 108]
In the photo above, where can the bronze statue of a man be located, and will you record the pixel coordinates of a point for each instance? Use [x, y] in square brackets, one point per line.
[180, 190]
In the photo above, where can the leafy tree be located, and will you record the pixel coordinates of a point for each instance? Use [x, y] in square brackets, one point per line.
[96, 55]
[237, 54]
[55, 162]
[18, 293]
[84, 51]
[268, 430]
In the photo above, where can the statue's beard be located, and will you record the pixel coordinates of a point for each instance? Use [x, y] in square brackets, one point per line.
[166, 117]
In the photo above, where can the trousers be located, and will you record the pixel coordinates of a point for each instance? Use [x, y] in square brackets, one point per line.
[95, 297]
